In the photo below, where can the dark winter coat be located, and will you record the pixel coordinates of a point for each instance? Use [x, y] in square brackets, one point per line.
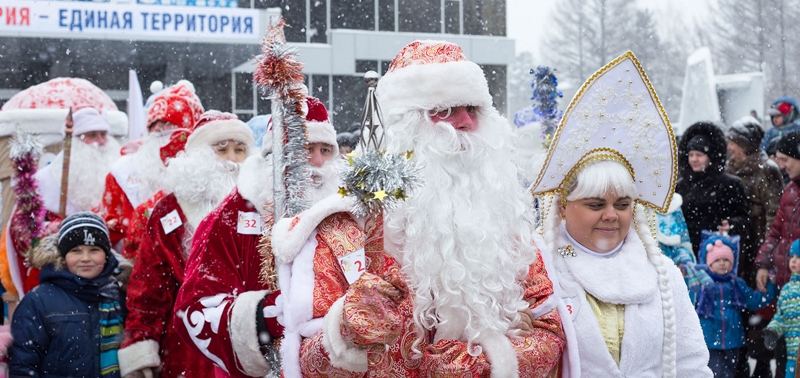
[774, 253]
[710, 196]
[763, 185]
[57, 334]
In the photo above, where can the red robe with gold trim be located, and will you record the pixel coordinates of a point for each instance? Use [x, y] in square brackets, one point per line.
[151, 338]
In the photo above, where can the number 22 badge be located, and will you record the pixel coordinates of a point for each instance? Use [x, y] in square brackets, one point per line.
[353, 265]
[249, 223]
[171, 221]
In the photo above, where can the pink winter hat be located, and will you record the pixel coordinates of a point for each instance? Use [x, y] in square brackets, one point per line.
[718, 250]
[85, 120]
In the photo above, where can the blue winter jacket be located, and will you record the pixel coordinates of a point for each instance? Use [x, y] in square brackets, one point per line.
[789, 125]
[724, 330]
[55, 333]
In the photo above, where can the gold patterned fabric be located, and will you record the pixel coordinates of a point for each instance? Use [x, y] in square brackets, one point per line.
[611, 319]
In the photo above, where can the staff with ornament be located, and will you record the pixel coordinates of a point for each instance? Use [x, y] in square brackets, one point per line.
[610, 166]
[245, 267]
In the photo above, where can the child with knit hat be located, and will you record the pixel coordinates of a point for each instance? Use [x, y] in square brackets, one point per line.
[787, 319]
[719, 305]
[71, 324]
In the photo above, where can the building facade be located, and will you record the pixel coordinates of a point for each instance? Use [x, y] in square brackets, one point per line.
[213, 42]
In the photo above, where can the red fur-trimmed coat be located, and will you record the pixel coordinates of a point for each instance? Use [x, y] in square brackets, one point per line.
[151, 338]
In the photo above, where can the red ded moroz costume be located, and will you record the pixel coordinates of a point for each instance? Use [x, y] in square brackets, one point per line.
[151, 339]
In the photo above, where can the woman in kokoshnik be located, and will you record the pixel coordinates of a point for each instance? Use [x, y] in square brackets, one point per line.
[625, 306]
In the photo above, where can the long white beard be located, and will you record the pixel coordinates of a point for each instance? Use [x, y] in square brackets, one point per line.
[150, 168]
[200, 180]
[464, 237]
[89, 165]
[325, 180]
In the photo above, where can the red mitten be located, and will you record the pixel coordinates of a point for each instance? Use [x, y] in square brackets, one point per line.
[270, 312]
[370, 311]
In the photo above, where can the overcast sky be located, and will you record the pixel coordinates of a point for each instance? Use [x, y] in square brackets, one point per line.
[529, 20]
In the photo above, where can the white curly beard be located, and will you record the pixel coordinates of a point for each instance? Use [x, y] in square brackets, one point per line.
[464, 237]
[200, 180]
[148, 162]
[89, 165]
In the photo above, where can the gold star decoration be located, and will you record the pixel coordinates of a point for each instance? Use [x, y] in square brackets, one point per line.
[380, 195]
[342, 191]
[409, 154]
[399, 194]
[350, 157]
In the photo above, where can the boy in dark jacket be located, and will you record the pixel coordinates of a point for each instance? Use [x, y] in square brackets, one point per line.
[71, 324]
[718, 305]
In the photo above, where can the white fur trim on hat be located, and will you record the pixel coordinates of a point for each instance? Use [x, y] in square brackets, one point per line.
[47, 123]
[321, 132]
[217, 131]
[434, 85]
[86, 120]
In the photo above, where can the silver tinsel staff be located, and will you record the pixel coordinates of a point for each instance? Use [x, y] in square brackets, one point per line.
[280, 74]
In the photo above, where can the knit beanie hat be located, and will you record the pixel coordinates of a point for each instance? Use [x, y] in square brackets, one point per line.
[85, 120]
[790, 144]
[83, 228]
[718, 250]
[746, 133]
[795, 249]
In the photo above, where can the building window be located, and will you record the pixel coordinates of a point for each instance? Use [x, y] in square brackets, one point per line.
[420, 16]
[317, 32]
[386, 15]
[294, 12]
[362, 66]
[319, 88]
[452, 17]
[484, 17]
[349, 93]
[496, 78]
[353, 14]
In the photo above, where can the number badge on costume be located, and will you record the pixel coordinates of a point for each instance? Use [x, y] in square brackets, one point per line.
[249, 223]
[171, 221]
[353, 265]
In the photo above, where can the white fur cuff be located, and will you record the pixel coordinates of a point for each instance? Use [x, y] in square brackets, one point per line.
[244, 334]
[501, 355]
[137, 356]
[341, 353]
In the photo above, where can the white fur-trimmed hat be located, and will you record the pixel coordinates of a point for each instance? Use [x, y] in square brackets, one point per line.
[431, 74]
[86, 120]
[318, 127]
[214, 126]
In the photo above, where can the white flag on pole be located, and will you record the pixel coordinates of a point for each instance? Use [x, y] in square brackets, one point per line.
[136, 116]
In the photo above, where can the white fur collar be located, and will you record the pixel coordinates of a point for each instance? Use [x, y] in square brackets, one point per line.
[289, 234]
[626, 278]
[255, 180]
[671, 240]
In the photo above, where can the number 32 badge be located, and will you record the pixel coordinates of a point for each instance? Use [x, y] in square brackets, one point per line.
[249, 223]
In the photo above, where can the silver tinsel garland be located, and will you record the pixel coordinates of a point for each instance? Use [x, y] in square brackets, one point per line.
[379, 180]
[25, 143]
[295, 158]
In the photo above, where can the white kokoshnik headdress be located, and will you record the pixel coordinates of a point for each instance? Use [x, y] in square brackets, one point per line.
[615, 115]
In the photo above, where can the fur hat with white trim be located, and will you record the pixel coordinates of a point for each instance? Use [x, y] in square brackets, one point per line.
[432, 74]
[318, 127]
[86, 120]
[214, 126]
